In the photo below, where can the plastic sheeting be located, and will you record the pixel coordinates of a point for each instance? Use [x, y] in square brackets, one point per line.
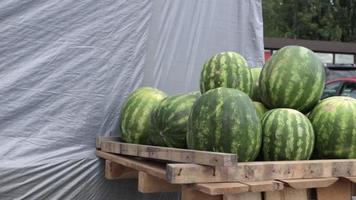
[66, 66]
[184, 34]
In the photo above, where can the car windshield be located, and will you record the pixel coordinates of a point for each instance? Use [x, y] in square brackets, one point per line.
[331, 89]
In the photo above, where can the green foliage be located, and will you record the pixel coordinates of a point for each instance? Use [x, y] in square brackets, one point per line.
[310, 19]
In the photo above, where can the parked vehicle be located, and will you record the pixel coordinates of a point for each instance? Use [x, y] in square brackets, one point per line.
[340, 80]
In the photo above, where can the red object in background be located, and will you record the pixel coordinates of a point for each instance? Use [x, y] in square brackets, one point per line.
[267, 55]
[348, 79]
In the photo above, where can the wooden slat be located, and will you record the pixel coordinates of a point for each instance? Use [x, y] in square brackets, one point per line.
[170, 154]
[189, 193]
[287, 194]
[341, 190]
[221, 188]
[260, 171]
[152, 168]
[151, 184]
[310, 182]
[263, 186]
[105, 138]
[244, 196]
[238, 187]
[116, 171]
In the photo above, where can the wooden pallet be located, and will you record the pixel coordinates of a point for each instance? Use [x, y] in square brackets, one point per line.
[252, 180]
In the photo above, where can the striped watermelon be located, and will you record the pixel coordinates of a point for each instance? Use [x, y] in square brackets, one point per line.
[334, 122]
[260, 109]
[292, 78]
[255, 72]
[226, 69]
[225, 120]
[170, 120]
[135, 119]
[287, 135]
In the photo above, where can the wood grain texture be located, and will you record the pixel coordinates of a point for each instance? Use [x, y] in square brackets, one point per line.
[244, 196]
[263, 186]
[261, 171]
[221, 188]
[151, 184]
[310, 182]
[341, 190]
[115, 171]
[170, 154]
[189, 193]
[152, 168]
[287, 194]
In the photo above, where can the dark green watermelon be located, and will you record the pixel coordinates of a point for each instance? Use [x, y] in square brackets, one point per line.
[293, 77]
[170, 120]
[225, 120]
[226, 69]
[334, 122]
[135, 119]
[287, 135]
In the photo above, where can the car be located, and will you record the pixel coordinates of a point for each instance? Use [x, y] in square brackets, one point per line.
[340, 80]
[340, 87]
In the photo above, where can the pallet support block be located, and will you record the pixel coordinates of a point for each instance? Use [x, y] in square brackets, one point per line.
[340, 190]
[151, 184]
[244, 196]
[189, 193]
[287, 194]
[115, 171]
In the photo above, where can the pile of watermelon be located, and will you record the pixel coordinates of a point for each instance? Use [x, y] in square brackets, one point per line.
[269, 113]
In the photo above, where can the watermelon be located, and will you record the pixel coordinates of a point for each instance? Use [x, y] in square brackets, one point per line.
[292, 78]
[334, 123]
[135, 117]
[287, 135]
[260, 109]
[170, 120]
[226, 69]
[225, 120]
[255, 72]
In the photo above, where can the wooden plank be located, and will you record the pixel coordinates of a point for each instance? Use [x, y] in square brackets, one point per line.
[171, 154]
[151, 184]
[287, 194]
[152, 168]
[189, 193]
[341, 190]
[261, 171]
[244, 196]
[310, 182]
[237, 187]
[221, 188]
[105, 138]
[263, 186]
[116, 171]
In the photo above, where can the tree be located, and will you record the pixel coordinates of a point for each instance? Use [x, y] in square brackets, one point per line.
[310, 19]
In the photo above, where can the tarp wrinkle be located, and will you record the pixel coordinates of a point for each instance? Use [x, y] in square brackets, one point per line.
[66, 66]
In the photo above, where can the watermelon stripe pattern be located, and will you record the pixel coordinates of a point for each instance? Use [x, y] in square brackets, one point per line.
[225, 120]
[292, 78]
[226, 69]
[287, 135]
[334, 122]
[135, 118]
[170, 119]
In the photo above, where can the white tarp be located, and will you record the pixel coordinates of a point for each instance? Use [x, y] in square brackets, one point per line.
[66, 66]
